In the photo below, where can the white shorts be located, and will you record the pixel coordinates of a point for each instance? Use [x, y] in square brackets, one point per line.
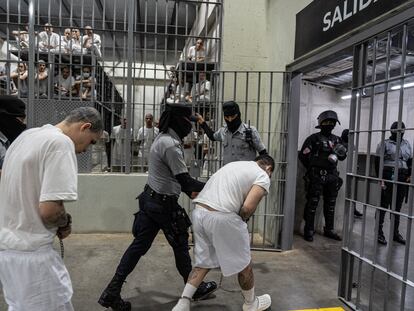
[35, 281]
[221, 240]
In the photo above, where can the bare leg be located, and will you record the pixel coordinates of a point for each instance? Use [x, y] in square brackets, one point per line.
[251, 301]
[194, 280]
[197, 275]
[246, 278]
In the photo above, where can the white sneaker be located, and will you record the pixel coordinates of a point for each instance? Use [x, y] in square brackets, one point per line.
[182, 305]
[261, 303]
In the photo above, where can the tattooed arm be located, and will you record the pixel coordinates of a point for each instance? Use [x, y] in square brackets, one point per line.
[53, 214]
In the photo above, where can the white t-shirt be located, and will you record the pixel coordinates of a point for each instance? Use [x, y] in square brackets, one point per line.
[193, 54]
[227, 189]
[146, 136]
[39, 166]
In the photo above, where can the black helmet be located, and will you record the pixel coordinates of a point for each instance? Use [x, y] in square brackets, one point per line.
[327, 115]
[394, 127]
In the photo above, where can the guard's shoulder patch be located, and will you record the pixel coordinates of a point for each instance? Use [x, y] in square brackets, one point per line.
[306, 150]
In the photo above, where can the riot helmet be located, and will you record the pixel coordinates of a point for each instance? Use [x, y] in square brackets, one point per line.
[327, 115]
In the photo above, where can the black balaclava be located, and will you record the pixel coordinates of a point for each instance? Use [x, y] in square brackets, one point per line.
[231, 108]
[394, 131]
[326, 130]
[178, 118]
[11, 108]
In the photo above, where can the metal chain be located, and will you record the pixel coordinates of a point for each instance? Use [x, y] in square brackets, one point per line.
[62, 249]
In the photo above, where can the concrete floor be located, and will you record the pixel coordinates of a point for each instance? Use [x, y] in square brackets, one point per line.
[306, 277]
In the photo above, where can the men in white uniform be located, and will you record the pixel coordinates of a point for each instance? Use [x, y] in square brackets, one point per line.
[201, 90]
[118, 137]
[221, 236]
[39, 174]
[49, 40]
[145, 138]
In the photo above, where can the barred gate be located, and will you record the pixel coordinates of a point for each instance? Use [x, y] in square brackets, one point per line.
[263, 97]
[375, 277]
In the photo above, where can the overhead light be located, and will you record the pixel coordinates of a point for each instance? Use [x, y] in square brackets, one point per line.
[349, 96]
[397, 87]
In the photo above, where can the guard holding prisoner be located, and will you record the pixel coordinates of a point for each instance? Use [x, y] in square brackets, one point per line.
[395, 162]
[320, 154]
[241, 142]
[158, 206]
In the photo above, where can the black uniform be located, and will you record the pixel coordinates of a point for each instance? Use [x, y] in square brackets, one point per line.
[159, 208]
[319, 154]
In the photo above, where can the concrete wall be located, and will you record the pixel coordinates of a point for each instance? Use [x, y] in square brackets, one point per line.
[260, 34]
[106, 203]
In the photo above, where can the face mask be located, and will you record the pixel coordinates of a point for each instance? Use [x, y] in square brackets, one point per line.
[233, 125]
[327, 129]
[394, 135]
[181, 126]
[86, 74]
[11, 127]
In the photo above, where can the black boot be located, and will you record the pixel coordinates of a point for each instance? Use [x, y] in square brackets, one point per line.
[111, 296]
[381, 237]
[399, 238]
[308, 235]
[331, 235]
[204, 290]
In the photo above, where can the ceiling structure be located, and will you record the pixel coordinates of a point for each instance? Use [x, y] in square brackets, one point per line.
[338, 72]
[161, 28]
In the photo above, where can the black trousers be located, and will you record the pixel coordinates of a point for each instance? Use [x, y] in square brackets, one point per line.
[321, 182]
[153, 216]
[386, 196]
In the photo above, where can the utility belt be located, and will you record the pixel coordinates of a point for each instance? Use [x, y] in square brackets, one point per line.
[160, 197]
[323, 171]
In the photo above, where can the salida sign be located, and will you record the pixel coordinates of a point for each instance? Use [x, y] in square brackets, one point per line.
[324, 20]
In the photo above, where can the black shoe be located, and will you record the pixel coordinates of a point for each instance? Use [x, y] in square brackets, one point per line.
[308, 235]
[399, 238]
[204, 290]
[381, 238]
[332, 235]
[115, 302]
[357, 214]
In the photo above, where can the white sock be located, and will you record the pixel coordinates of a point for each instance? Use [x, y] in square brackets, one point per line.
[189, 291]
[182, 304]
[248, 295]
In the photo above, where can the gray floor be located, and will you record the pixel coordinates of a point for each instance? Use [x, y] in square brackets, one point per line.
[305, 277]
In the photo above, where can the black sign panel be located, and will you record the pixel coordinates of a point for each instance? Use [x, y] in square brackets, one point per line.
[324, 20]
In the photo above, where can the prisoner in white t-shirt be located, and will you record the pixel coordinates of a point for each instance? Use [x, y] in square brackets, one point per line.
[39, 174]
[220, 232]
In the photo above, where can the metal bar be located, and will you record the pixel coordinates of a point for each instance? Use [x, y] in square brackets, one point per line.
[291, 168]
[130, 53]
[30, 108]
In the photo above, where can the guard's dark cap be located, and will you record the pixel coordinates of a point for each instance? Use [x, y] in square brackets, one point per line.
[231, 108]
[181, 109]
[12, 106]
[394, 126]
